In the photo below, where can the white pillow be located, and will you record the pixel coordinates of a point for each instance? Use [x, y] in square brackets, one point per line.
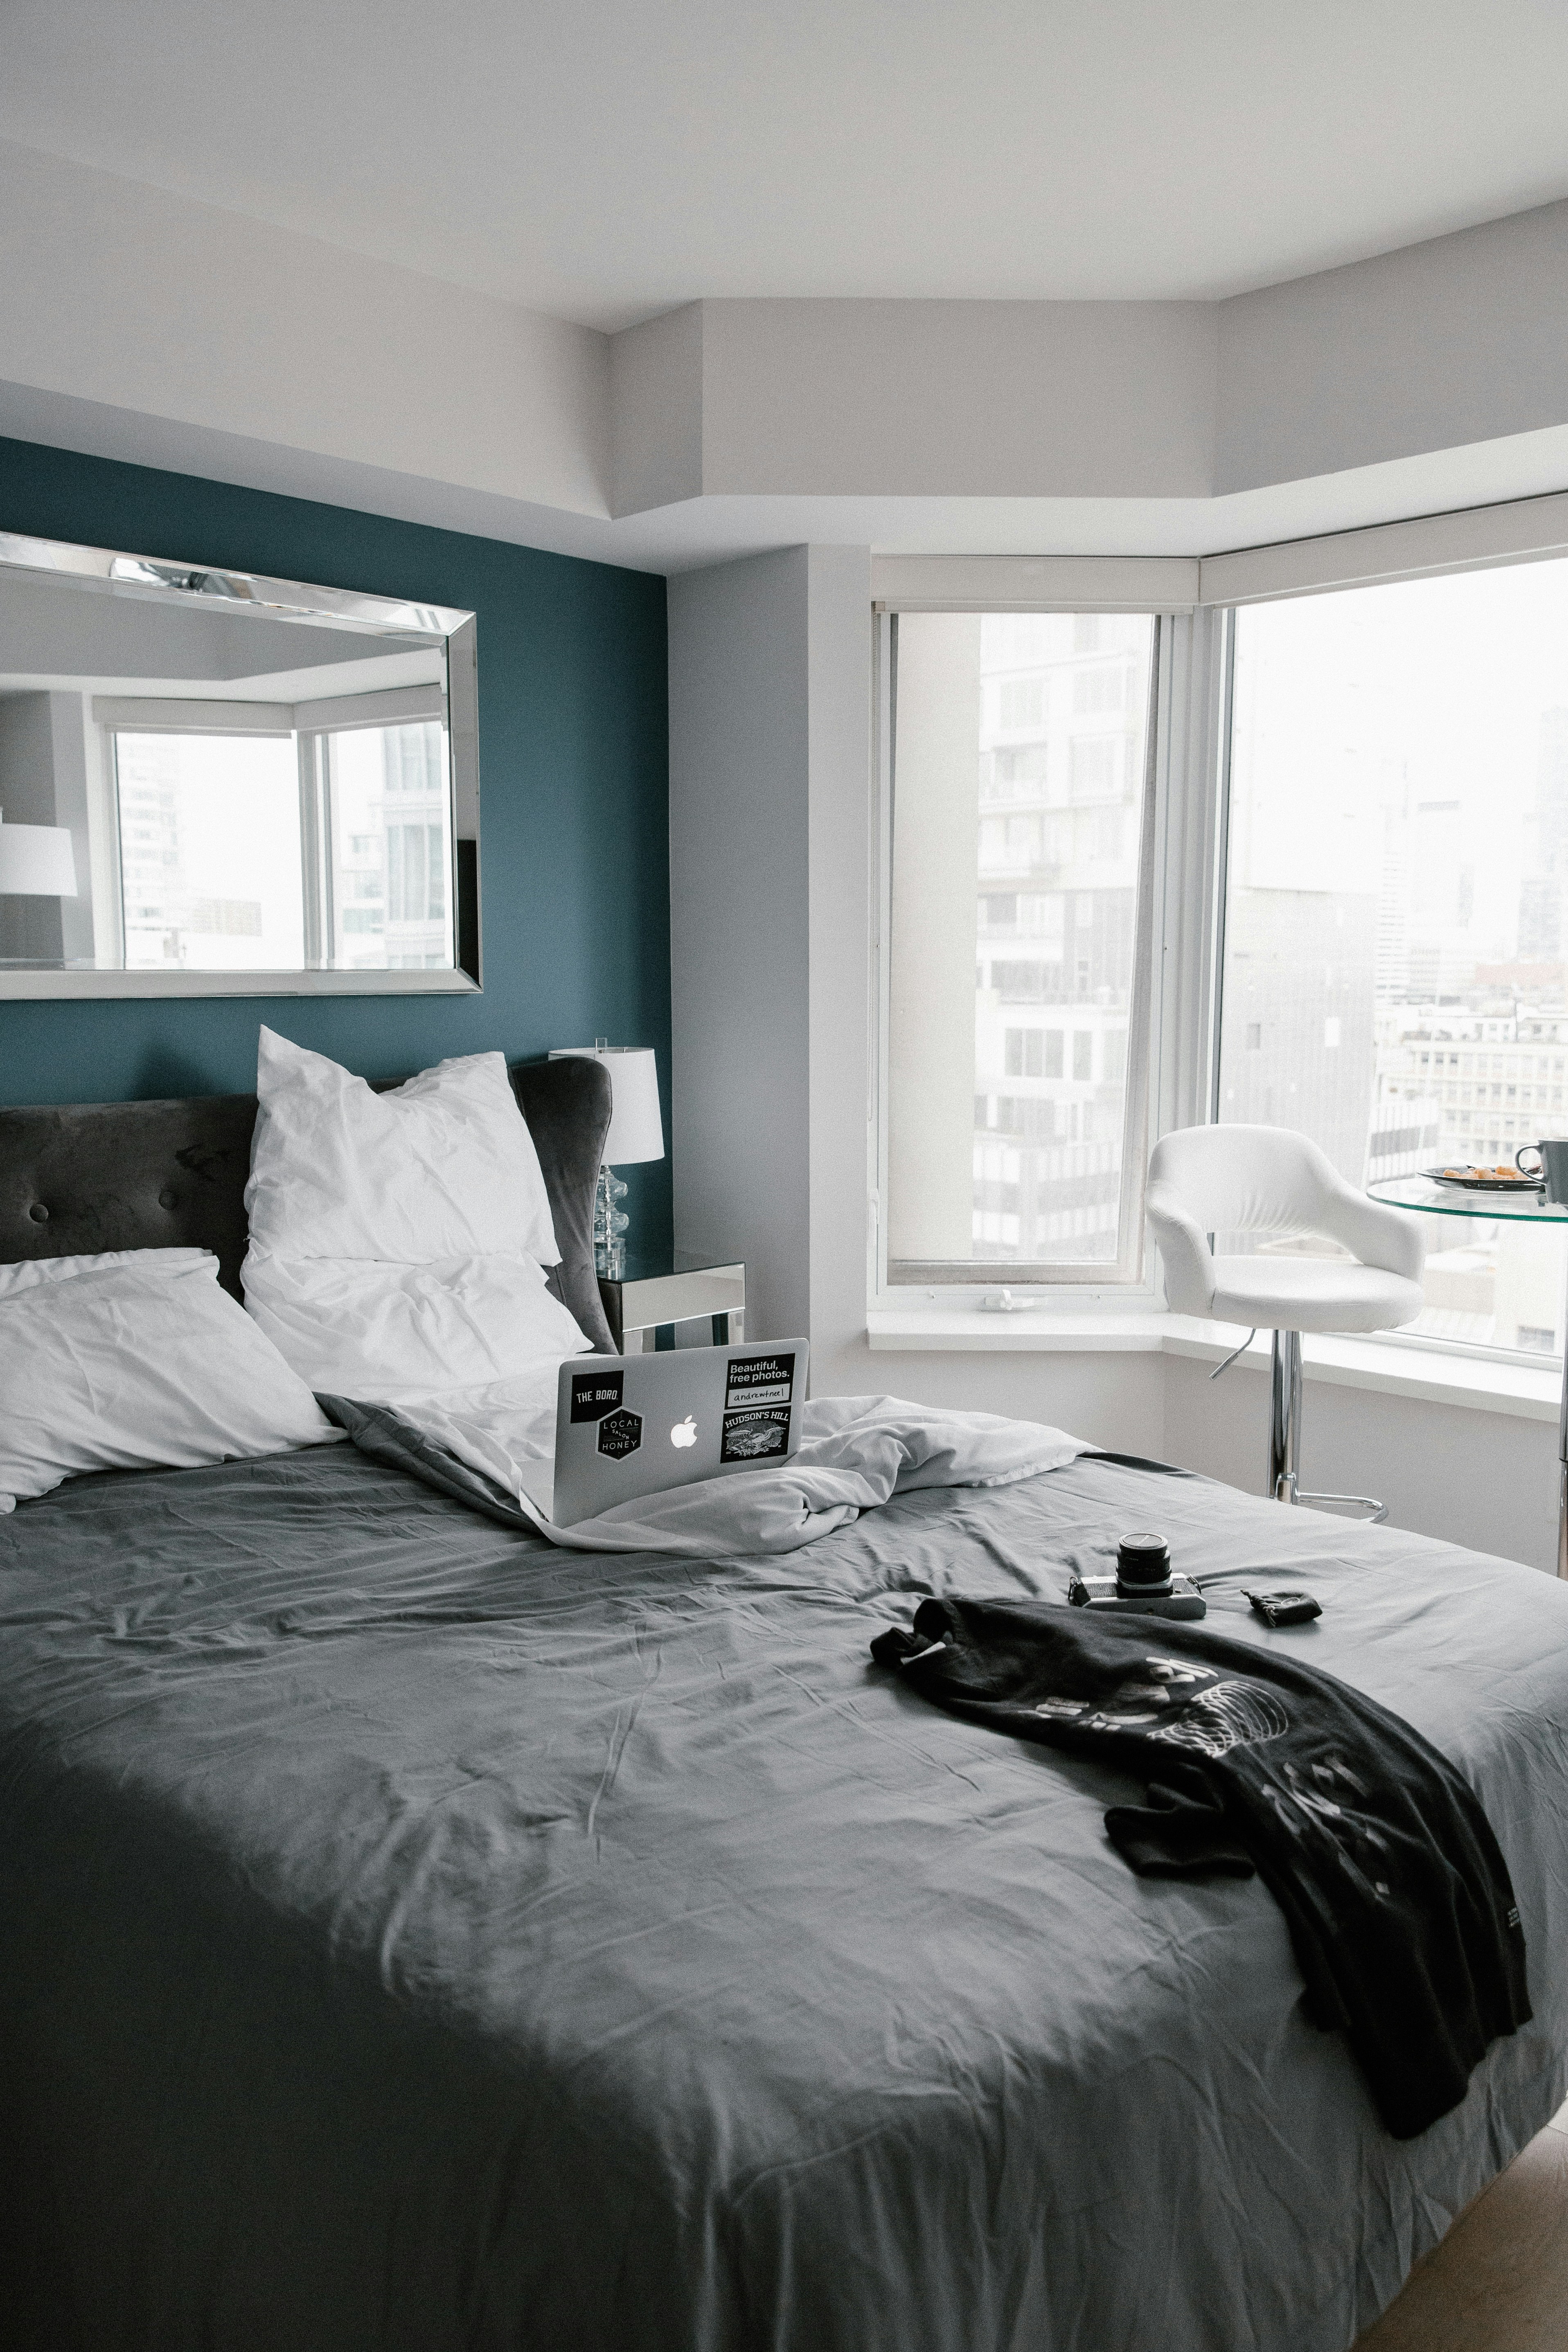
[382, 1334]
[132, 1371]
[25, 1274]
[443, 1167]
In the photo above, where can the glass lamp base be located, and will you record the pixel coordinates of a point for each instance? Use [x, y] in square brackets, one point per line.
[610, 1225]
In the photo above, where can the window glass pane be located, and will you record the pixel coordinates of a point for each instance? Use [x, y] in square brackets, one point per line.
[209, 851]
[391, 848]
[1019, 765]
[1397, 926]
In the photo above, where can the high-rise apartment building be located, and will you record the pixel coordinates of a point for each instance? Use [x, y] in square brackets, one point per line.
[1063, 723]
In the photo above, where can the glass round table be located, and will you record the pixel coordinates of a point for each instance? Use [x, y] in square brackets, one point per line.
[1523, 1204]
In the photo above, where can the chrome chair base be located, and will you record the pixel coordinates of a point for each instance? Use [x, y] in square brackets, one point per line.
[1285, 1438]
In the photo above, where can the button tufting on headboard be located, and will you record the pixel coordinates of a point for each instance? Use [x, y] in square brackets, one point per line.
[108, 1170]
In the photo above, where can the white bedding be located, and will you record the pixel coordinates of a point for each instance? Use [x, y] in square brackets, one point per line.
[441, 1167]
[126, 1367]
[349, 1325]
[855, 1453]
[398, 1241]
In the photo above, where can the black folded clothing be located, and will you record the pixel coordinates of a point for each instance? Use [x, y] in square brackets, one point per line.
[1397, 1894]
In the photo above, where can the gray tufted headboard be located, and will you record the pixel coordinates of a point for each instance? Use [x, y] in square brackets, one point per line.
[164, 1175]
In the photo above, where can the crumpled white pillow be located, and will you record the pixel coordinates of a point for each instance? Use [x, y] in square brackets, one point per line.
[385, 1334]
[131, 1369]
[443, 1167]
[27, 1273]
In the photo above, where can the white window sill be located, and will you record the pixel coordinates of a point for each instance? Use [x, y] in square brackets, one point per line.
[1432, 1375]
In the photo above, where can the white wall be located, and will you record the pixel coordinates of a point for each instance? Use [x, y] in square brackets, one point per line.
[655, 399]
[1487, 1480]
[28, 926]
[740, 741]
[56, 629]
[43, 781]
[838, 911]
[115, 292]
[958, 399]
[1461, 340]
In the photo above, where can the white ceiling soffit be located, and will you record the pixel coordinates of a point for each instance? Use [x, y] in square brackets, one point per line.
[606, 163]
[144, 326]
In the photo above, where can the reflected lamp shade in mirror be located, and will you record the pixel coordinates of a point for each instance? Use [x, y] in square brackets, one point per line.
[36, 862]
[637, 1133]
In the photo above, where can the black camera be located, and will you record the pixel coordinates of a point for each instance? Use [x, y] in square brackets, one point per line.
[1143, 1582]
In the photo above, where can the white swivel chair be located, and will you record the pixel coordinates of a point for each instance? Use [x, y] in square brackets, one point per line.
[1204, 1181]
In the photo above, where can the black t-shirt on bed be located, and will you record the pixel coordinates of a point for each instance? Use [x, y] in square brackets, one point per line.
[1397, 1894]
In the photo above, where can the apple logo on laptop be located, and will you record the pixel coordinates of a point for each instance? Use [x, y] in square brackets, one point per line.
[684, 1433]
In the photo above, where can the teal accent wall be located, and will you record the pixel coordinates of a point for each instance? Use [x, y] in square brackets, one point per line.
[574, 827]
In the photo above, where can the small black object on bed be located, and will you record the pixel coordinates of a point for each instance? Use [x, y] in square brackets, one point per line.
[1285, 1608]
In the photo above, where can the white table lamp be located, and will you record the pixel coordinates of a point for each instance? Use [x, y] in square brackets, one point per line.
[637, 1133]
[36, 862]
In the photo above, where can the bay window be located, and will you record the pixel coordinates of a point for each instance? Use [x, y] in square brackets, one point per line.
[1302, 862]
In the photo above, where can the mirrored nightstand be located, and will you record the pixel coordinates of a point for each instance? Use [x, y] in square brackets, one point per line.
[658, 1304]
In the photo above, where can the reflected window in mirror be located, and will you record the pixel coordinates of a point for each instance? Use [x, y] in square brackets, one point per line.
[325, 848]
[389, 847]
[210, 869]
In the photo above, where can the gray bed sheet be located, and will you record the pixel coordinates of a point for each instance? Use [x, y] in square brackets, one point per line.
[417, 1936]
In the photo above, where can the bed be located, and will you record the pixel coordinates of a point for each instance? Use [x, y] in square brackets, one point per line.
[417, 1937]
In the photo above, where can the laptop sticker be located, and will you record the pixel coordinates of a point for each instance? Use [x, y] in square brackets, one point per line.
[759, 1380]
[755, 1434]
[594, 1394]
[620, 1433]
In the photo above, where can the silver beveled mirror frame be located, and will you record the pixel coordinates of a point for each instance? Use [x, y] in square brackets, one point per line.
[155, 579]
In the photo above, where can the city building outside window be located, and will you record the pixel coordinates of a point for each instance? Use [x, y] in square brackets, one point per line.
[1019, 944]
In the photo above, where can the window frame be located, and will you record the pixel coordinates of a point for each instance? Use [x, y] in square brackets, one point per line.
[1128, 1279]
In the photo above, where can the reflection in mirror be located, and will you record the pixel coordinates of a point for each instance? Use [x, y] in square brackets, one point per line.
[205, 776]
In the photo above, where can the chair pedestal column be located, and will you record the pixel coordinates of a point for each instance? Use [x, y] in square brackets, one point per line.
[1285, 1436]
[1285, 1417]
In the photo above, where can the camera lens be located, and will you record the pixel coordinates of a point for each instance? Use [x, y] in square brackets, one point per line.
[1143, 1564]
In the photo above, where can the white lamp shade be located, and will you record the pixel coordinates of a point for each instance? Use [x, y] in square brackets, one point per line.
[637, 1130]
[36, 862]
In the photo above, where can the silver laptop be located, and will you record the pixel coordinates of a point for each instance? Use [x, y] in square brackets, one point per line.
[631, 1425]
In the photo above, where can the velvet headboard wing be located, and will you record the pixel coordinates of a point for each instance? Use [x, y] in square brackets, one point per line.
[86, 1177]
[567, 1107]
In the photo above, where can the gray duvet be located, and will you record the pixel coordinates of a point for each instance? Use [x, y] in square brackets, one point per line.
[417, 1937]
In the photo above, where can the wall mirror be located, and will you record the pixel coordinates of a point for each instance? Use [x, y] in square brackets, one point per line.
[212, 783]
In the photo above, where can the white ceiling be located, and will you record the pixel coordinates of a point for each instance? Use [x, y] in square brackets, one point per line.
[604, 163]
